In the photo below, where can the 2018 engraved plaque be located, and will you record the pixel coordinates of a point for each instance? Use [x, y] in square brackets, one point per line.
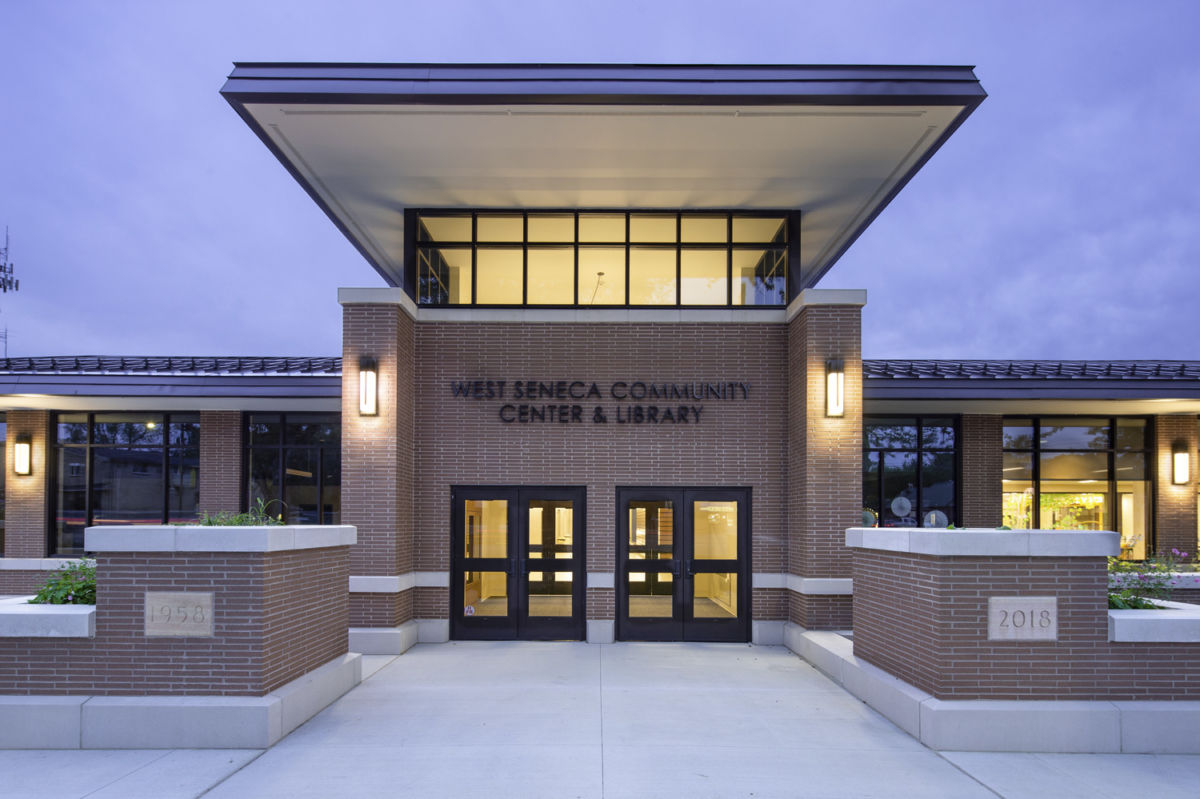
[1022, 618]
[178, 614]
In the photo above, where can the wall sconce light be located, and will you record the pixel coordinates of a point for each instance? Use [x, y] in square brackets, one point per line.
[835, 387]
[23, 455]
[368, 380]
[1180, 463]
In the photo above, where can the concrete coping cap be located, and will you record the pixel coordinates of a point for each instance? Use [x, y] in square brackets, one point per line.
[987, 543]
[194, 538]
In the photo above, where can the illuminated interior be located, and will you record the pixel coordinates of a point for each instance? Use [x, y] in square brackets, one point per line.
[651, 537]
[485, 593]
[551, 532]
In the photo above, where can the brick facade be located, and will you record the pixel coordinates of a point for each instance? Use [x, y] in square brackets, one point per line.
[27, 499]
[824, 454]
[1175, 522]
[981, 449]
[23, 581]
[220, 479]
[276, 617]
[924, 620]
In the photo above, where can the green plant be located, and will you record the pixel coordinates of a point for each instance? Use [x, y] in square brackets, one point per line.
[1127, 600]
[1133, 584]
[73, 584]
[255, 517]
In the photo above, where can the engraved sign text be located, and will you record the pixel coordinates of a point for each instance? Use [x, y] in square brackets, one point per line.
[1022, 618]
[179, 615]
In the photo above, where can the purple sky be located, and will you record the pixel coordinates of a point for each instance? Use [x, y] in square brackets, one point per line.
[1061, 221]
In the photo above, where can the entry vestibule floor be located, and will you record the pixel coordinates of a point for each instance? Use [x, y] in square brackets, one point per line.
[583, 720]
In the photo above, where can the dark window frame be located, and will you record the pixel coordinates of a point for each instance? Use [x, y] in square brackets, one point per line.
[89, 448]
[788, 247]
[1148, 451]
[919, 450]
[282, 447]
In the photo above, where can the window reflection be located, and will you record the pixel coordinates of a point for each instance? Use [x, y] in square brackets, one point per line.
[910, 471]
[293, 466]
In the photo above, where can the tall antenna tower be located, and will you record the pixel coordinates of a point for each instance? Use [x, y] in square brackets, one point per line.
[7, 282]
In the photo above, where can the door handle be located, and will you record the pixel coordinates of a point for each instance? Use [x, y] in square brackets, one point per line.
[687, 568]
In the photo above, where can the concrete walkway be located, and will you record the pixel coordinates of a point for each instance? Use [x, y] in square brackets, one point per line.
[578, 720]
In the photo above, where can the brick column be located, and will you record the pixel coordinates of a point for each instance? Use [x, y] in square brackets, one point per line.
[824, 453]
[982, 470]
[220, 456]
[1174, 505]
[27, 498]
[377, 455]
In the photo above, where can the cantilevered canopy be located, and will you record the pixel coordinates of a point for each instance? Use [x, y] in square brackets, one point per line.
[369, 140]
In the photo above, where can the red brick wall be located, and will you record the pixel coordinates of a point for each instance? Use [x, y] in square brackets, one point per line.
[23, 581]
[982, 470]
[1175, 511]
[430, 603]
[770, 604]
[462, 441]
[824, 454]
[924, 620]
[822, 611]
[220, 461]
[380, 610]
[600, 603]
[276, 616]
[27, 509]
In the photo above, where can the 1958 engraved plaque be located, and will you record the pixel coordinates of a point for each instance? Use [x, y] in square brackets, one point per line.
[178, 615]
[1022, 618]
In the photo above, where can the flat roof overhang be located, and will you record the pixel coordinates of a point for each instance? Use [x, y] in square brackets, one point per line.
[367, 141]
[74, 392]
[1018, 397]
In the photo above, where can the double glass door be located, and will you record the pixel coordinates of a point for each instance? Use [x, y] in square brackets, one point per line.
[683, 564]
[517, 563]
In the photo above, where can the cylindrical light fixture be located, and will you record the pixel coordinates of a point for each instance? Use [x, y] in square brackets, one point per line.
[835, 387]
[368, 382]
[1181, 463]
[23, 455]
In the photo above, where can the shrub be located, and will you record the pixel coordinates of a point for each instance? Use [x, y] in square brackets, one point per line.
[255, 517]
[73, 584]
[1133, 584]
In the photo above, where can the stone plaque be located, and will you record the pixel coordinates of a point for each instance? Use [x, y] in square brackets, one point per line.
[1022, 618]
[178, 615]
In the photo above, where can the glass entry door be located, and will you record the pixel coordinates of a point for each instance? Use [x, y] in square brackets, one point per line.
[683, 564]
[517, 564]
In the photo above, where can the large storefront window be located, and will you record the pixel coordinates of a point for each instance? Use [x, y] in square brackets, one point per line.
[910, 470]
[593, 258]
[1079, 473]
[122, 468]
[3, 474]
[294, 465]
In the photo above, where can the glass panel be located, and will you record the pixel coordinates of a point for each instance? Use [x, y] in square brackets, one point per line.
[1131, 434]
[264, 428]
[705, 229]
[702, 277]
[937, 433]
[714, 530]
[485, 524]
[1091, 467]
[444, 228]
[758, 230]
[602, 228]
[549, 595]
[1068, 506]
[311, 428]
[264, 477]
[714, 596]
[899, 489]
[601, 275]
[331, 486]
[551, 227]
[1018, 504]
[71, 502]
[1131, 466]
[485, 594]
[759, 277]
[1018, 434]
[1018, 466]
[891, 434]
[127, 428]
[1074, 434]
[871, 489]
[72, 428]
[551, 528]
[651, 529]
[651, 596]
[651, 276]
[3, 473]
[300, 500]
[652, 228]
[183, 484]
[551, 276]
[184, 429]
[127, 485]
[444, 276]
[499, 279]
[502, 227]
[937, 489]
[1133, 513]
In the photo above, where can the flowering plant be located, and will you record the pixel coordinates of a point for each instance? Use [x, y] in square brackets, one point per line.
[73, 584]
[1133, 584]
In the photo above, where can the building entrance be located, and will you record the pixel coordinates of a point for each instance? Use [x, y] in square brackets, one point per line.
[517, 563]
[683, 560]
